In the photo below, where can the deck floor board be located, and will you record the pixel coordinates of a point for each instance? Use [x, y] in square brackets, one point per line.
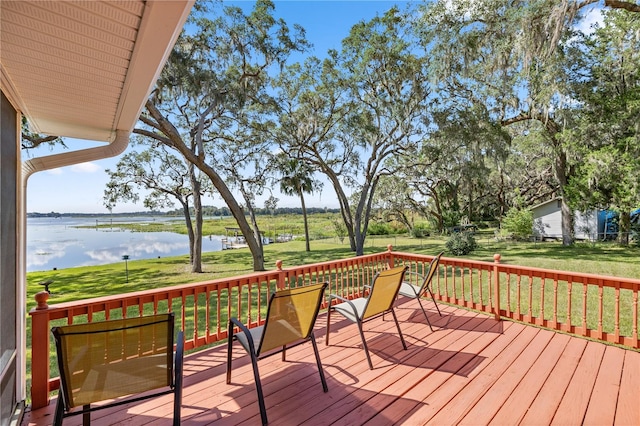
[471, 369]
[628, 408]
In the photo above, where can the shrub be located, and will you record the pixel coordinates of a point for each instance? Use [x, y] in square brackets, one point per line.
[340, 229]
[378, 228]
[518, 223]
[421, 230]
[461, 243]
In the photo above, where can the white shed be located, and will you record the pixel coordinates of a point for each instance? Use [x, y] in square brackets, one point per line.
[547, 221]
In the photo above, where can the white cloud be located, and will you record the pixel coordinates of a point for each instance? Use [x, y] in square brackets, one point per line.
[86, 168]
[57, 171]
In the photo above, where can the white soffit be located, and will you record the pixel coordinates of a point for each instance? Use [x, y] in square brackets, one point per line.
[84, 69]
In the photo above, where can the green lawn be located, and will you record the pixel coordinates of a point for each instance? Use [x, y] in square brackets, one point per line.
[84, 282]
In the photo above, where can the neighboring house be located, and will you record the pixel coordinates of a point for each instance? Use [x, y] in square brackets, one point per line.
[80, 69]
[547, 222]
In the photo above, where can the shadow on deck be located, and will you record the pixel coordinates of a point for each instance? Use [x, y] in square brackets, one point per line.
[470, 370]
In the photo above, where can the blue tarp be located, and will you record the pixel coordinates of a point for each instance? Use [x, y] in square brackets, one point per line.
[608, 222]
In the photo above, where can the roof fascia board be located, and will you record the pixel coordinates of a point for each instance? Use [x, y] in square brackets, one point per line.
[545, 203]
[153, 46]
[9, 90]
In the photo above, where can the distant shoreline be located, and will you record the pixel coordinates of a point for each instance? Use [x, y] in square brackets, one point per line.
[208, 212]
[57, 215]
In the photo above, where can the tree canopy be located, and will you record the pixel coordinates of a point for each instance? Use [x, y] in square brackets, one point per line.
[448, 111]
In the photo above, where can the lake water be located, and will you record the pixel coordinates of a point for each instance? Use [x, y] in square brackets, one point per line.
[58, 243]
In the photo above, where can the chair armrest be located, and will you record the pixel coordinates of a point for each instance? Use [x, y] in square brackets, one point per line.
[180, 347]
[335, 296]
[239, 324]
[179, 362]
[417, 274]
[353, 307]
[367, 289]
[234, 321]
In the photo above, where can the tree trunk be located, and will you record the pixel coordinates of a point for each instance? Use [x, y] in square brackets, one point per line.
[359, 230]
[567, 223]
[567, 213]
[174, 140]
[470, 201]
[196, 263]
[306, 225]
[437, 211]
[363, 213]
[238, 214]
[345, 210]
[190, 232]
[256, 230]
[624, 227]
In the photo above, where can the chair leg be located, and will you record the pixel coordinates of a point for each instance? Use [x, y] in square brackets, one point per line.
[315, 351]
[229, 349]
[57, 420]
[404, 345]
[178, 381]
[177, 405]
[364, 345]
[425, 313]
[434, 300]
[179, 374]
[256, 376]
[326, 339]
[86, 416]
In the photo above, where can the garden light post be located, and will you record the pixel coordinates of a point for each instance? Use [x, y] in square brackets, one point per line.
[46, 285]
[126, 266]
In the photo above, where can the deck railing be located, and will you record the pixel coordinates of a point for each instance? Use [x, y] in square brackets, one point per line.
[598, 307]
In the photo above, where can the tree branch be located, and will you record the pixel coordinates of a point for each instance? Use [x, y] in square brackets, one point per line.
[153, 135]
[616, 4]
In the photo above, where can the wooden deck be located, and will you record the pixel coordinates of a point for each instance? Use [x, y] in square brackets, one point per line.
[470, 370]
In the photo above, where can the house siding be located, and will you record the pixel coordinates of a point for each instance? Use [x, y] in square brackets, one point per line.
[547, 222]
[585, 225]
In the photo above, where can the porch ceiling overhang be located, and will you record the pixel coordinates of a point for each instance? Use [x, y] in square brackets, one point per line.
[83, 69]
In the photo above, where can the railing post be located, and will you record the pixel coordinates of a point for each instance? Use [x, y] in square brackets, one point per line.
[391, 260]
[281, 282]
[496, 286]
[40, 352]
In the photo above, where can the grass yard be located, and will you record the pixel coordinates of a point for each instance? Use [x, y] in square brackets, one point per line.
[93, 281]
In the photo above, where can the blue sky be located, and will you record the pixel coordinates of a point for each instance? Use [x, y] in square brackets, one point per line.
[79, 188]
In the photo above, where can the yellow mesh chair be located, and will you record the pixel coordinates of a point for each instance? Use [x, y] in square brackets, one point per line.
[108, 360]
[290, 319]
[382, 294]
[408, 289]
